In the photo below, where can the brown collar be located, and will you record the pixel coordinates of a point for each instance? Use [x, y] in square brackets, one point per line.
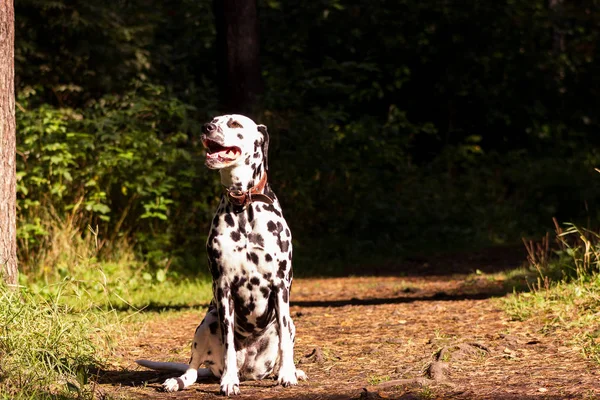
[242, 199]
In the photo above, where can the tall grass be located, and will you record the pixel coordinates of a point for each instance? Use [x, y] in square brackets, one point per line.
[566, 297]
[47, 349]
[106, 274]
[59, 327]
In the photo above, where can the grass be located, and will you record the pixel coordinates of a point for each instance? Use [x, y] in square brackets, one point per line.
[87, 270]
[61, 325]
[47, 349]
[375, 380]
[565, 298]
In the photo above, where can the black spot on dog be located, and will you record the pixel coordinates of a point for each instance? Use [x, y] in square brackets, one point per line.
[267, 276]
[272, 227]
[284, 320]
[250, 214]
[240, 136]
[215, 270]
[257, 172]
[213, 327]
[242, 222]
[257, 239]
[254, 258]
[265, 292]
[229, 220]
[237, 282]
[271, 208]
[287, 232]
[285, 295]
[283, 245]
[281, 274]
[249, 286]
[247, 161]
[282, 265]
[268, 365]
[268, 257]
[235, 236]
[255, 281]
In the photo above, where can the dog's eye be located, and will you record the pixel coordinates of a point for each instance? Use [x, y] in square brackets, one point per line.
[234, 124]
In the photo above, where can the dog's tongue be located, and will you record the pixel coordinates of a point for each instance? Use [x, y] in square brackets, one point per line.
[227, 153]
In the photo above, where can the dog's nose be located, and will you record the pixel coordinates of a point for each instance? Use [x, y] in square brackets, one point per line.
[208, 128]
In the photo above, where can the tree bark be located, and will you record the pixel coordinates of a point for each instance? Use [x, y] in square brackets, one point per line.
[238, 48]
[8, 214]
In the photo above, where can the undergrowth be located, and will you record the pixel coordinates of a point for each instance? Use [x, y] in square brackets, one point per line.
[565, 298]
[61, 324]
[89, 271]
[47, 350]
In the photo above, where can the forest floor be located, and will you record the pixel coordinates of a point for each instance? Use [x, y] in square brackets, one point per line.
[436, 332]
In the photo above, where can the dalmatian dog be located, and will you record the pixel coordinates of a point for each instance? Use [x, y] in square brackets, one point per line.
[247, 333]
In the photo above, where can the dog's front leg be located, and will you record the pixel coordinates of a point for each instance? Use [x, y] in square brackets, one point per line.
[288, 374]
[230, 382]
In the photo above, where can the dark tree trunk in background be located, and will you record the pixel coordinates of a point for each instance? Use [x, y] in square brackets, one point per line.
[8, 218]
[558, 35]
[238, 64]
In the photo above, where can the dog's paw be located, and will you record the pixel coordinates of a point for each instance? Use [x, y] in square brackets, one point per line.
[300, 375]
[230, 386]
[288, 377]
[172, 385]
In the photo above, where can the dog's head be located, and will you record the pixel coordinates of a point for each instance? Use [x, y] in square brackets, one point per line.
[234, 139]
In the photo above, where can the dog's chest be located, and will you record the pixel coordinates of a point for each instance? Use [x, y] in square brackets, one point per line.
[251, 251]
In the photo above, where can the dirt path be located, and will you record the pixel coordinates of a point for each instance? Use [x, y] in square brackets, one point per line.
[419, 337]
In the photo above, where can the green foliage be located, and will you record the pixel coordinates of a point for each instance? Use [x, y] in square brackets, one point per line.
[395, 125]
[125, 161]
[46, 349]
[565, 300]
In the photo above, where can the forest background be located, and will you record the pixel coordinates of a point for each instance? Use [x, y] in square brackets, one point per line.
[397, 127]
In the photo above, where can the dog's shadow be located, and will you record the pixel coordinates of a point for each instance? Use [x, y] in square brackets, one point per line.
[154, 380]
[140, 378]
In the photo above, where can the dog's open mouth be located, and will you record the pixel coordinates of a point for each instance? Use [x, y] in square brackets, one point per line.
[214, 151]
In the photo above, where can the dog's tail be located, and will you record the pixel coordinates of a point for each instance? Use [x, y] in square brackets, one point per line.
[173, 367]
[163, 366]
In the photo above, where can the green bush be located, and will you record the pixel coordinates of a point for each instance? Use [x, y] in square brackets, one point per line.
[125, 162]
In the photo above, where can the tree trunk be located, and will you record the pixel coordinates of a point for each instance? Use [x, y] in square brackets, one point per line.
[238, 63]
[8, 217]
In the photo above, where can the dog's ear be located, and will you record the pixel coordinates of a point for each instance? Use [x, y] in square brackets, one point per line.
[265, 144]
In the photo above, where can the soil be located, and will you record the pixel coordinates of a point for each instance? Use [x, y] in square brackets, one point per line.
[438, 331]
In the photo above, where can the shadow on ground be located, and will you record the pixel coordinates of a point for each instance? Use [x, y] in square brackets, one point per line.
[441, 296]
